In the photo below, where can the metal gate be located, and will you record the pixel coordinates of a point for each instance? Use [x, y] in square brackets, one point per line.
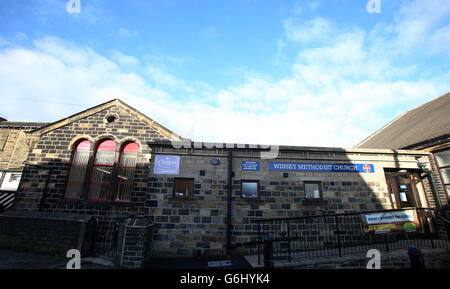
[105, 243]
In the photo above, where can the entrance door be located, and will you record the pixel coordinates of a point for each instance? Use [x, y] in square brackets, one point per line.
[401, 190]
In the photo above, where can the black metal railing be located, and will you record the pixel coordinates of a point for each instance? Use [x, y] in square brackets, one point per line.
[339, 234]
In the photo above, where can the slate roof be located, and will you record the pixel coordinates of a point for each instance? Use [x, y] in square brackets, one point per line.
[22, 125]
[416, 128]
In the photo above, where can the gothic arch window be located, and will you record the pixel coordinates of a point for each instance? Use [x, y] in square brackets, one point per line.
[125, 171]
[77, 170]
[102, 170]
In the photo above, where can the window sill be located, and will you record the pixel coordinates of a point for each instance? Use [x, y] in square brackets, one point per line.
[314, 202]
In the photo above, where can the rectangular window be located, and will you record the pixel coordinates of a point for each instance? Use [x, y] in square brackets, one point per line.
[443, 163]
[250, 189]
[183, 188]
[11, 181]
[313, 190]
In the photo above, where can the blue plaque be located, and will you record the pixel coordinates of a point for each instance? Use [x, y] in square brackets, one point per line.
[166, 165]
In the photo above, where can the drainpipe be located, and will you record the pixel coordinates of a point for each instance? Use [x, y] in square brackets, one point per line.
[434, 189]
[429, 176]
[229, 199]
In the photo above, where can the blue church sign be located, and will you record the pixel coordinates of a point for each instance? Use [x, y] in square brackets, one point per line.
[321, 167]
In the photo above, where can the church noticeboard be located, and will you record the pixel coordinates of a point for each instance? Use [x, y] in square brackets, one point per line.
[250, 166]
[388, 222]
[166, 165]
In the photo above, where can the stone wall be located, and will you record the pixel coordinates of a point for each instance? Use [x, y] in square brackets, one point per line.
[49, 233]
[197, 225]
[14, 146]
[53, 149]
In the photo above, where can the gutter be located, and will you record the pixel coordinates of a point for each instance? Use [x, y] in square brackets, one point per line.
[229, 200]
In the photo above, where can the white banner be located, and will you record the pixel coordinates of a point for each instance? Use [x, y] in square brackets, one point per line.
[390, 217]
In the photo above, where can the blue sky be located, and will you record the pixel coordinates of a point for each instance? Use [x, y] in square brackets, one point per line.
[321, 73]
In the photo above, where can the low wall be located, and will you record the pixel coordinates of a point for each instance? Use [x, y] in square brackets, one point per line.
[46, 232]
[398, 259]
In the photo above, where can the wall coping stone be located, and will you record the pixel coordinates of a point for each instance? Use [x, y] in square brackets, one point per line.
[47, 216]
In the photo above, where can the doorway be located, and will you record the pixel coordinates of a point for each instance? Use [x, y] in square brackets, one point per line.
[402, 190]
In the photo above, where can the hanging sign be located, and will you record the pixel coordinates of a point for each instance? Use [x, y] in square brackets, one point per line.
[166, 165]
[321, 167]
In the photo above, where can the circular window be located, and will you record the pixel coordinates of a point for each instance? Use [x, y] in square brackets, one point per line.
[110, 120]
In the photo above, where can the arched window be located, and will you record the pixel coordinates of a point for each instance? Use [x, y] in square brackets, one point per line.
[77, 170]
[125, 172]
[102, 170]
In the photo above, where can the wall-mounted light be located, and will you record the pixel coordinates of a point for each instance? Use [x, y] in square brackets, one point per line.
[215, 162]
[422, 165]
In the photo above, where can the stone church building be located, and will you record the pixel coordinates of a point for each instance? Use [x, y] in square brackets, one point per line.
[86, 177]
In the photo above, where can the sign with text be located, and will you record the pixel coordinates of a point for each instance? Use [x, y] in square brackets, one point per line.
[387, 222]
[166, 165]
[321, 167]
[250, 166]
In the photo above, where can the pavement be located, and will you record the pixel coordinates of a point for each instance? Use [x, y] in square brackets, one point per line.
[238, 262]
[10, 259]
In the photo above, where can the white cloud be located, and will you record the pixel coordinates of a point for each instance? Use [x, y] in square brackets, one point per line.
[317, 29]
[338, 91]
[314, 5]
[420, 26]
[125, 60]
[123, 32]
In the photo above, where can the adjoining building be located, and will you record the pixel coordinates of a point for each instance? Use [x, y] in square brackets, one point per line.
[110, 163]
[426, 128]
[14, 150]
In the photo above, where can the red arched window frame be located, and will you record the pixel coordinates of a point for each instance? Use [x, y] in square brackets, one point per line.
[102, 170]
[77, 169]
[125, 172]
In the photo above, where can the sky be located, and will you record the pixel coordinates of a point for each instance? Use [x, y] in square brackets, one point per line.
[305, 73]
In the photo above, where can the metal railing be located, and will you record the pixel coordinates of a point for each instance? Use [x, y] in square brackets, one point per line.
[339, 234]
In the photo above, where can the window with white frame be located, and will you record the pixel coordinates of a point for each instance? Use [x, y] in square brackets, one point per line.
[11, 181]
